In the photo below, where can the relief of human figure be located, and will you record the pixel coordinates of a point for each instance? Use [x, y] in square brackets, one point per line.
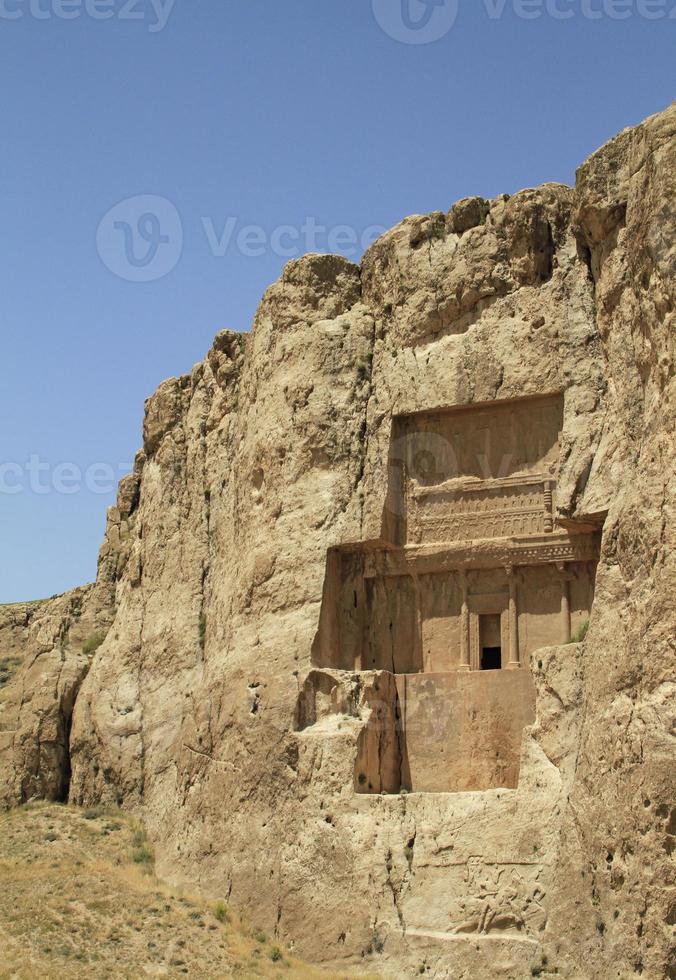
[498, 899]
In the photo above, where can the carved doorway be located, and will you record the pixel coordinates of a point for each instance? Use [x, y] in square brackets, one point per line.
[490, 641]
[488, 630]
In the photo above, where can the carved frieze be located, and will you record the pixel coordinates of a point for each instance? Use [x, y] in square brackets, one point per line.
[474, 510]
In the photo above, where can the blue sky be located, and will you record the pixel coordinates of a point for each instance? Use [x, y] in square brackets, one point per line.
[261, 113]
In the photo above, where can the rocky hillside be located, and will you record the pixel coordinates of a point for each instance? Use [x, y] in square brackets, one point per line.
[79, 898]
[275, 449]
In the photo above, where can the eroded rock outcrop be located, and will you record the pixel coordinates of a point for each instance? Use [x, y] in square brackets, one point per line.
[47, 648]
[206, 707]
[615, 873]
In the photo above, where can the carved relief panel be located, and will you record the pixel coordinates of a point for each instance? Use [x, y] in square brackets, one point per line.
[479, 471]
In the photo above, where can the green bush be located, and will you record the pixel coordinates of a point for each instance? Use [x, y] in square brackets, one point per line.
[92, 643]
[221, 911]
[580, 633]
[276, 954]
[142, 855]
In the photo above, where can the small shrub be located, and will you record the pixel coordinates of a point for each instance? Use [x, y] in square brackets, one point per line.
[202, 629]
[276, 954]
[364, 367]
[8, 667]
[259, 936]
[580, 633]
[221, 911]
[92, 643]
[92, 813]
[142, 855]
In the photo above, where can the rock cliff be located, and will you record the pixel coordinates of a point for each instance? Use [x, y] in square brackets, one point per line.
[277, 448]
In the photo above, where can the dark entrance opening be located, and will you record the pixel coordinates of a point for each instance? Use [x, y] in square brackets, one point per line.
[491, 658]
[490, 638]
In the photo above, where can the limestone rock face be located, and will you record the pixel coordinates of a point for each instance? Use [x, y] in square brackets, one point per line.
[206, 709]
[46, 649]
[36, 705]
[613, 901]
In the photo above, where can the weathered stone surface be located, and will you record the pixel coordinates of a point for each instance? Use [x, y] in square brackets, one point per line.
[48, 647]
[36, 706]
[204, 709]
[612, 905]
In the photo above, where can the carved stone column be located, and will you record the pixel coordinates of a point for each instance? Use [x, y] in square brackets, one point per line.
[464, 625]
[549, 507]
[514, 661]
[565, 602]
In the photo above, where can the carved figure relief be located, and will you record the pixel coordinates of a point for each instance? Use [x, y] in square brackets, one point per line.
[500, 898]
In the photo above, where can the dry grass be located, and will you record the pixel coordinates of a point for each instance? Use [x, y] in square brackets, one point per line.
[78, 898]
